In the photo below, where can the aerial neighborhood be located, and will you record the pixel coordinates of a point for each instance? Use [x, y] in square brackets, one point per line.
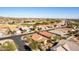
[39, 34]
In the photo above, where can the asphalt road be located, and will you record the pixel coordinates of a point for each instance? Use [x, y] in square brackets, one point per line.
[19, 42]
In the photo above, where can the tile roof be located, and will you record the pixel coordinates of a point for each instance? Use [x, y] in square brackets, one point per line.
[45, 33]
[38, 37]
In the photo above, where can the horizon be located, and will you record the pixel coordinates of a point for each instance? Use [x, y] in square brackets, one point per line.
[40, 12]
[35, 17]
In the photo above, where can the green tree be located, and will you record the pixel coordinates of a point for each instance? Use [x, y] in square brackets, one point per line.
[56, 38]
[9, 46]
[34, 45]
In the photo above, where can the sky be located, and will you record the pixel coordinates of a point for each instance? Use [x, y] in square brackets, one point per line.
[40, 12]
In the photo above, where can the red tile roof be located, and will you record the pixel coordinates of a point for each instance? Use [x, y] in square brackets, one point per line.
[38, 37]
[45, 33]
